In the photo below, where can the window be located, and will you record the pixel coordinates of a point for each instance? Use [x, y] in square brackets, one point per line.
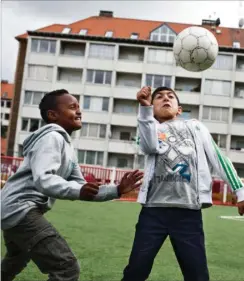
[109, 34]
[217, 88]
[215, 113]
[101, 51]
[69, 75]
[39, 72]
[5, 95]
[160, 56]
[43, 46]
[134, 35]
[99, 76]
[163, 34]
[236, 45]
[96, 103]
[83, 32]
[66, 30]
[220, 140]
[156, 81]
[125, 136]
[72, 49]
[6, 116]
[2, 103]
[87, 100]
[90, 157]
[93, 130]
[223, 62]
[33, 98]
[8, 104]
[31, 125]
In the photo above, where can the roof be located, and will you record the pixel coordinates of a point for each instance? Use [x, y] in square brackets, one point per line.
[123, 27]
[7, 88]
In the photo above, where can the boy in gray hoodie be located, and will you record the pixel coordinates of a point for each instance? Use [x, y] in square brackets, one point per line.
[49, 171]
[180, 155]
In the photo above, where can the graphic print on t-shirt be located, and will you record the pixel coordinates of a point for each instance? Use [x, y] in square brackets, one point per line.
[176, 153]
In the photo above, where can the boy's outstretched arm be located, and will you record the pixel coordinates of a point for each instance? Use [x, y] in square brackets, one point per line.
[147, 125]
[223, 167]
[129, 182]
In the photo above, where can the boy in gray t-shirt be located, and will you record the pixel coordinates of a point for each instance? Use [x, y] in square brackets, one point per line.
[180, 156]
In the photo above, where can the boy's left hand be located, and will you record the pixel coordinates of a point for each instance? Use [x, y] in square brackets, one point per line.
[130, 182]
[240, 206]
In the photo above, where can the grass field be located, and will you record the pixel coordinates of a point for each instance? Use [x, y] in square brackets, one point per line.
[101, 235]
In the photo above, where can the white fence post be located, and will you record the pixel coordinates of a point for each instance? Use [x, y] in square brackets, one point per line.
[225, 193]
[112, 176]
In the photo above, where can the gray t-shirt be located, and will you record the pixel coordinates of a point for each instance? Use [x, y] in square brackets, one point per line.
[174, 182]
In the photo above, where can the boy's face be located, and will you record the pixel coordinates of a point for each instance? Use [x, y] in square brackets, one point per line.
[67, 113]
[165, 106]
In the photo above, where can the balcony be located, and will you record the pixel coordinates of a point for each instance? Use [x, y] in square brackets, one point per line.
[72, 49]
[238, 116]
[134, 54]
[240, 69]
[118, 146]
[123, 133]
[132, 80]
[71, 55]
[239, 90]
[69, 78]
[130, 59]
[189, 112]
[237, 149]
[120, 160]
[239, 169]
[189, 90]
[124, 120]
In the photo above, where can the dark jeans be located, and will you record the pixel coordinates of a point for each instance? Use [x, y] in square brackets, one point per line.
[34, 238]
[185, 231]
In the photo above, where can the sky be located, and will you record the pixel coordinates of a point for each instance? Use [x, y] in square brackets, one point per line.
[19, 16]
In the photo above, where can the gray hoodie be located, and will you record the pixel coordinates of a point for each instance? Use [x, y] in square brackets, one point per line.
[49, 171]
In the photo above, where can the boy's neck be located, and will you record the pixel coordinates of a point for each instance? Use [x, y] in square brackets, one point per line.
[162, 120]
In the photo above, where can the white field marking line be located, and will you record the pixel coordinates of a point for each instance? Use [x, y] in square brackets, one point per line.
[235, 218]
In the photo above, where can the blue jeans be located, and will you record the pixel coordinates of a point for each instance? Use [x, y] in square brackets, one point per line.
[185, 230]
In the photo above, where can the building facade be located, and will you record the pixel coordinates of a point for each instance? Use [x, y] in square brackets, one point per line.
[7, 90]
[104, 61]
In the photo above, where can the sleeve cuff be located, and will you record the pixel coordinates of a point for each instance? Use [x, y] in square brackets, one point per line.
[145, 112]
[74, 192]
[240, 194]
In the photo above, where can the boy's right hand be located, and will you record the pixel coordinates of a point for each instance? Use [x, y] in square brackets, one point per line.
[89, 191]
[144, 96]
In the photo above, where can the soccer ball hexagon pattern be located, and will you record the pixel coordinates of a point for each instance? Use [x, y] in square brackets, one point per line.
[195, 49]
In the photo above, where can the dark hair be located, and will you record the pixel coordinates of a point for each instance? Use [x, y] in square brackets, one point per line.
[49, 102]
[159, 89]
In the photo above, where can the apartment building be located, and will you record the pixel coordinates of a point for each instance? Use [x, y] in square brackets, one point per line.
[7, 90]
[104, 61]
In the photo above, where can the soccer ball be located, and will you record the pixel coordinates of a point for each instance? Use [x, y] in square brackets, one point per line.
[195, 49]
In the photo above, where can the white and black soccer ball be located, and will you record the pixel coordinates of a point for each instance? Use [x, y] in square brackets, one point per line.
[195, 49]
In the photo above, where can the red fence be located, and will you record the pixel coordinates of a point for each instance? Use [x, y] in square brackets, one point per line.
[9, 166]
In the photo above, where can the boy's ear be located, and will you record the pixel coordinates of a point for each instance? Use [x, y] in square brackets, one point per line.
[52, 115]
[180, 110]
